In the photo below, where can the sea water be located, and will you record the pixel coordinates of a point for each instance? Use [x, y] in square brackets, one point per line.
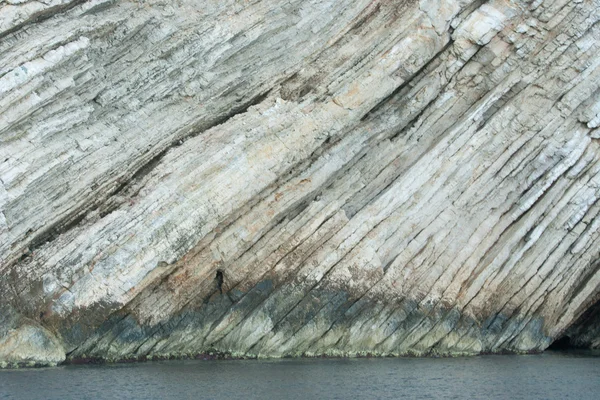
[552, 375]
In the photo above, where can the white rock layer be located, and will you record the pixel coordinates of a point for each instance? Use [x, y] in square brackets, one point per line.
[267, 178]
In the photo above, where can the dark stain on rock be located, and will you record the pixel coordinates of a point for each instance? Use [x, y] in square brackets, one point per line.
[219, 279]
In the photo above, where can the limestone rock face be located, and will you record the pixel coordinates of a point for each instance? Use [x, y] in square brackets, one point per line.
[284, 178]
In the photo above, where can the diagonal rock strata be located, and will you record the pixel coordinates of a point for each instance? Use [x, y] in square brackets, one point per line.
[308, 178]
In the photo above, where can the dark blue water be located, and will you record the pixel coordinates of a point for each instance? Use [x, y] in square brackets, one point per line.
[546, 376]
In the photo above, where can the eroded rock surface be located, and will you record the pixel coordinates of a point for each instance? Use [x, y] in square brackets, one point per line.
[269, 178]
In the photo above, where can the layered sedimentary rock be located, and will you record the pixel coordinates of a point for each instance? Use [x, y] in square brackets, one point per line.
[269, 178]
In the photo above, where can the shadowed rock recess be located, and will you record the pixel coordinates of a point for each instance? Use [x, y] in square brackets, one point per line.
[297, 178]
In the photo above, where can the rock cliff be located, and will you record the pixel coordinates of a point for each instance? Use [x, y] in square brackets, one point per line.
[286, 178]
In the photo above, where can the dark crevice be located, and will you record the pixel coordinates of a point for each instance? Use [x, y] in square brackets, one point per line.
[219, 280]
[298, 209]
[584, 281]
[412, 123]
[365, 20]
[138, 176]
[100, 7]
[52, 233]
[512, 93]
[409, 80]
[42, 16]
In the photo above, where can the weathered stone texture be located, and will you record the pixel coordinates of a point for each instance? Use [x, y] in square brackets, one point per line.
[269, 178]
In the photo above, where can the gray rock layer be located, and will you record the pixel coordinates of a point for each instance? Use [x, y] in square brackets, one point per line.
[284, 178]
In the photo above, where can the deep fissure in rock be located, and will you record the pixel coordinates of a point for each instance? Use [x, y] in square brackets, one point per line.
[219, 279]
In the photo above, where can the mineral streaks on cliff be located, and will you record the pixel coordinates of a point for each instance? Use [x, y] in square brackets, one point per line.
[321, 177]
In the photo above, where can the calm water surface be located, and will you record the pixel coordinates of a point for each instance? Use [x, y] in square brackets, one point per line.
[551, 375]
